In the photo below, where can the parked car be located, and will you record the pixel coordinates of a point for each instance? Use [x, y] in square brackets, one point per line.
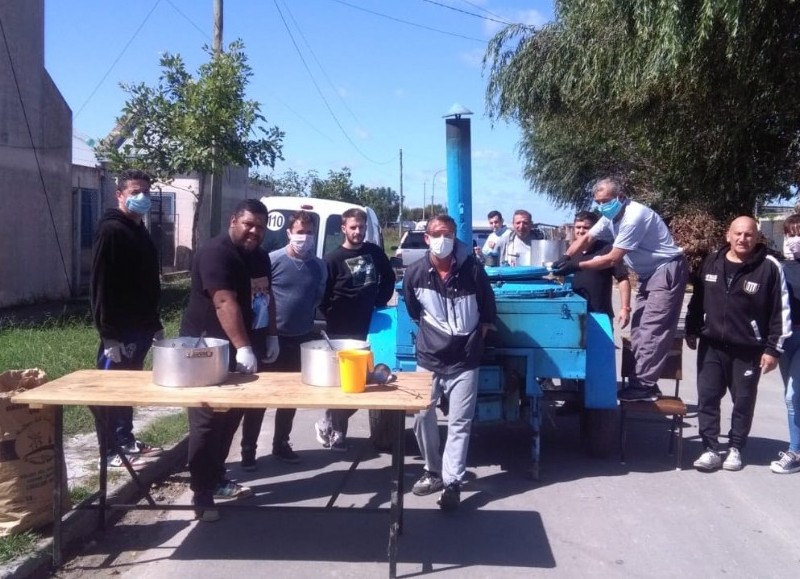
[327, 216]
[412, 248]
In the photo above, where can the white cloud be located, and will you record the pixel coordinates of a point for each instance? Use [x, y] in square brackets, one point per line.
[362, 134]
[529, 17]
[473, 58]
[489, 154]
[343, 92]
[400, 93]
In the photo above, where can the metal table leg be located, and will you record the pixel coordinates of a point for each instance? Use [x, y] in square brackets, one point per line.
[58, 463]
[396, 506]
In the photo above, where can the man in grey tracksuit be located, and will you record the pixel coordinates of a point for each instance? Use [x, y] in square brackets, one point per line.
[449, 295]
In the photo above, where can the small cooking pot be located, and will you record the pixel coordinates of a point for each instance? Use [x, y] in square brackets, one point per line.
[547, 250]
[319, 365]
[185, 362]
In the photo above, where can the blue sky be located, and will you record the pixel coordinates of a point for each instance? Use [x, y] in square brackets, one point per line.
[382, 75]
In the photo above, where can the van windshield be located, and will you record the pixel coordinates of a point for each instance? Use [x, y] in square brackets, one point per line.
[277, 224]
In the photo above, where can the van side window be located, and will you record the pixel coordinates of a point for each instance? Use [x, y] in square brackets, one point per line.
[333, 234]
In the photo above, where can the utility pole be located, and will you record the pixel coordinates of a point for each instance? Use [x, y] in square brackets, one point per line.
[216, 170]
[400, 214]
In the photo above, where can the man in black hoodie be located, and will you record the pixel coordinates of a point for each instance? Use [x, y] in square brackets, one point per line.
[126, 290]
[448, 294]
[740, 311]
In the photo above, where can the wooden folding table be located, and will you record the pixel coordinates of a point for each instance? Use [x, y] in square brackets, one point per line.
[409, 394]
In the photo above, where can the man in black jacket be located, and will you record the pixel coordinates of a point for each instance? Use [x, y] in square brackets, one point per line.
[449, 296]
[740, 311]
[126, 290]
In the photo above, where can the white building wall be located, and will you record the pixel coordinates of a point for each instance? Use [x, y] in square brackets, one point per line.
[36, 221]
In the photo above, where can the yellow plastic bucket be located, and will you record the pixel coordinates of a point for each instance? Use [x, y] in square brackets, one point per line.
[353, 368]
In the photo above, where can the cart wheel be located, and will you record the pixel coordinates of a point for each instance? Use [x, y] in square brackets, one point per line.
[382, 429]
[600, 431]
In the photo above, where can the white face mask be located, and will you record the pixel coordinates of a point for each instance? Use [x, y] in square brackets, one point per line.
[301, 243]
[441, 246]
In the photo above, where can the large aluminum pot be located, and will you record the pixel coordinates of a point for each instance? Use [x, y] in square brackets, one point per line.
[319, 365]
[545, 251]
[184, 362]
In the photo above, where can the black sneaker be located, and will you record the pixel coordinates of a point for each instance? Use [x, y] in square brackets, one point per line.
[248, 462]
[450, 497]
[639, 394]
[285, 453]
[428, 483]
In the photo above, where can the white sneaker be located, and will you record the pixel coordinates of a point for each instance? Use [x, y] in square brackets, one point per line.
[788, 463]
[709, 461]
[733, 461]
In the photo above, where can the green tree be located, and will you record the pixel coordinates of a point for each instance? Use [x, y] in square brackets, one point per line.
[385, 201]
[695, 102]
[338, 186]
[188, 123]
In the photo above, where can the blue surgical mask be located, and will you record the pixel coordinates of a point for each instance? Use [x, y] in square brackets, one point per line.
[610, 209]
[139, 203]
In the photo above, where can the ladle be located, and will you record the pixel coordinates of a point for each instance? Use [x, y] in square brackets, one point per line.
[327, 339]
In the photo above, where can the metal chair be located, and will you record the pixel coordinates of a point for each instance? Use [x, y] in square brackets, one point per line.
[671, 406]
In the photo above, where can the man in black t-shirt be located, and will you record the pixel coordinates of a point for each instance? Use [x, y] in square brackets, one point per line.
[230, 298]
[595, 285]
[360, 278]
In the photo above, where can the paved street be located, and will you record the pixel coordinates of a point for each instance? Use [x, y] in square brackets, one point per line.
[585, 517]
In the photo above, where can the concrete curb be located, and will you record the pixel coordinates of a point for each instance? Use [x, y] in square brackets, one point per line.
[79, 524]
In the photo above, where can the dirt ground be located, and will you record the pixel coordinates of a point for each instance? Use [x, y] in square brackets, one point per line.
[86, 561]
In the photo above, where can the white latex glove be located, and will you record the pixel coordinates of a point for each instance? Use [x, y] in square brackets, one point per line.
[245, 360]
[112, 350]
[273, 349]
[159, 335]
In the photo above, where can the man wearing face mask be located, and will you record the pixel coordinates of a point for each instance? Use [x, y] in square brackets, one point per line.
[449, 296]
[360, 278]
[642, 240]
[125, 289]
[231, 283]
[298, 284]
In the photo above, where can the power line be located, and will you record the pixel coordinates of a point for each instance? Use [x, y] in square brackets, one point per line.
[189, 20]
[482, 9]
[319, 64]
[322, 96]
[382, 15]
[506, 22]
[116, 60]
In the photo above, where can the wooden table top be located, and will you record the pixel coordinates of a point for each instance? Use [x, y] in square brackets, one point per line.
[410, 392]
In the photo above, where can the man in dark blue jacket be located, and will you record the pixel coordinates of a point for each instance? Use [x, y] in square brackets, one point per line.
[449, 295]
[740, 311]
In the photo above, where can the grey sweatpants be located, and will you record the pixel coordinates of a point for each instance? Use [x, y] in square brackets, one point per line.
[461, 390]
[659, 302]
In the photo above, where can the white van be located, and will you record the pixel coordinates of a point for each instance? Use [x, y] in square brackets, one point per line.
[327, 216]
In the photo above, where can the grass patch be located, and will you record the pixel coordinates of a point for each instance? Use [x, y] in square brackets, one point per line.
[14, 546]
[61, 339]
[79, 493]
[166, 430]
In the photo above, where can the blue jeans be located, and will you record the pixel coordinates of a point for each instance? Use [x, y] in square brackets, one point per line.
[789, 364]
